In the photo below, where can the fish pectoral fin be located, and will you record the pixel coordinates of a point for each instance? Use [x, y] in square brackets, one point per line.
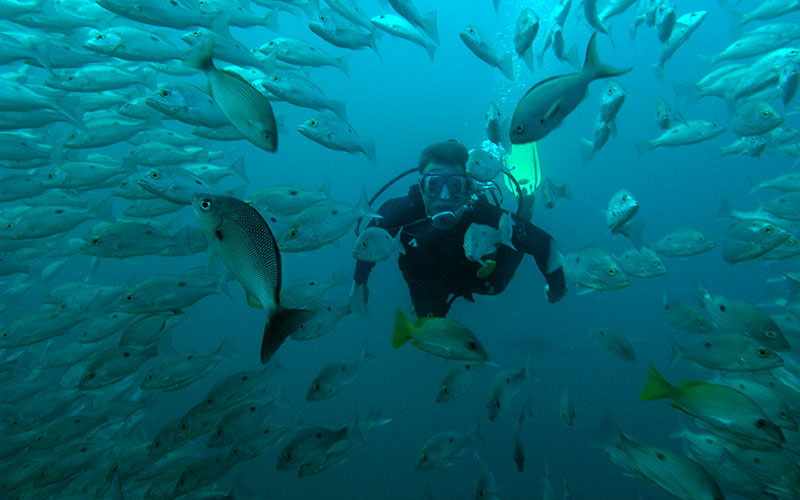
[253, 301]
[553, 110]
[677, 406]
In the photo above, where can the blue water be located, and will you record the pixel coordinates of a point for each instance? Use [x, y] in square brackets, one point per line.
[406, 102]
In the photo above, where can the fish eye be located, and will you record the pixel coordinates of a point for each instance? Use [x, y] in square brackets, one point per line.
[316, 387]
[519, 129]
[95, 241]
[762, 353]
[91, 374]
[322, 18]
[625, 197]
[164, 93]
[768, 229]
[313, 123]
[129, 298]
[155, 175]
[293, 233]
[363, 244]
[424, 458]
[205, 205]
[770, 334]
[219, 432]
[445, 390]
[766, 114]
[471, 345]
[611, 271]
[761, 423]
[9, 225]
[99, 36]
[276, 78]
[266, 136]
[497, 404]
[611, 91]
[70, 78]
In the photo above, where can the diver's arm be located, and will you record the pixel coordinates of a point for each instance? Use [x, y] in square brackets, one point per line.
[535, 241]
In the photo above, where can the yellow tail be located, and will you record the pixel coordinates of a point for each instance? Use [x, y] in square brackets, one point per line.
[402, 330]
[656, 386]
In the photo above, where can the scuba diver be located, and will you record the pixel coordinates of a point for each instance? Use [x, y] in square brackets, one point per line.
[434, 218]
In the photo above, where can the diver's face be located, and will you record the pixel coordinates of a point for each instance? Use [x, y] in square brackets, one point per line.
[445, 188]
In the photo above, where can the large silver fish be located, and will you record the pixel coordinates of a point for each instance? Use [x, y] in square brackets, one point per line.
[547, 103]
[242, 239]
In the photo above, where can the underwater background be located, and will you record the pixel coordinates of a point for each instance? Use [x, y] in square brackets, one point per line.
[405, 102]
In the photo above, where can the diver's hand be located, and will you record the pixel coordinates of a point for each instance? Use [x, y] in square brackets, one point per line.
[554, 297]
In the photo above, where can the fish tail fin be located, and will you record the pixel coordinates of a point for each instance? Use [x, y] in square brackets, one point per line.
[363, 206]
[677, 351]
[702, 293]
[227, 351]
[343, 63]
[633, 231]
[527, 58]
[656, 386]
[563, 191]
[688, 90]
[725, 209]
[587, 150]
[201, 56]
[338, 107]
[572, 57]
[506, 231]
[103, 210]
[608, 435]
[369, 151]
[282, 324]
[326, 187]
[507, 65]
[429, 26]
[270, 20]
[430, 48]
[642, 147]
[597, 68]
[238, 168]
[373, 44]
[358, 303]
[354, 433]
[658, 71]
[403, 329]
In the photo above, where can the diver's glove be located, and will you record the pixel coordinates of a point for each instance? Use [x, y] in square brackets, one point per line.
[554, 296]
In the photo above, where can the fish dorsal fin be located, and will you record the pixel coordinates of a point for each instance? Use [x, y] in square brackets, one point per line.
[234, 74]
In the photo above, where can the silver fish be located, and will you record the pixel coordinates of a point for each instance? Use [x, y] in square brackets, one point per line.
[335, 133]
[547, 103]
[334, 377]
[246, 108]
[751, 238]
[595, 268]
[476, 41]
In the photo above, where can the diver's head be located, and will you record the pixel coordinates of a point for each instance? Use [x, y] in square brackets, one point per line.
[446, 188]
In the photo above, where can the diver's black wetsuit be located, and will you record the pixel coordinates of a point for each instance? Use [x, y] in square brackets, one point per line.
[435, 266]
